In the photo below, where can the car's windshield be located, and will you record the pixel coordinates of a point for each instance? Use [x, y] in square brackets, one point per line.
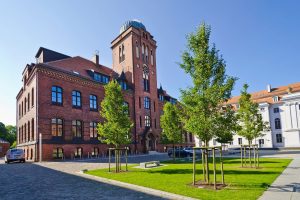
[16, 151]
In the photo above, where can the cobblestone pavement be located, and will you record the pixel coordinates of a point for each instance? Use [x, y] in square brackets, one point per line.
[54, 180]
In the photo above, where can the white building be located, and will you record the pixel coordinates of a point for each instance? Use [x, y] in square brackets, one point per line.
[281, 108]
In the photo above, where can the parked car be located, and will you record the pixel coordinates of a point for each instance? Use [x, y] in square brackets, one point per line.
[178, 153]
[190, 150]
[13, 155]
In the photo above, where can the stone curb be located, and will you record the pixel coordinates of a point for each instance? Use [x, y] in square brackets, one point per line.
[137, 188]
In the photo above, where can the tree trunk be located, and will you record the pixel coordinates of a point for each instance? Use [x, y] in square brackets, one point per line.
[249, 142]
[173, 152]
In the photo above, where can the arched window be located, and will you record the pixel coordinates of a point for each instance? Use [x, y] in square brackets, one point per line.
[28, 105]
[56, 97]
[120, 54]
[32, 97]
[277, 123]
[95, 151]
[143, 52]
[25, 102]
[93, 102]
[32, 129]
[146, 78]
[146, 102]
[151, 57]
[123, 52]
[146, 52]
[78, 152]
[28, 131]
[76, 99]
[57, 127]
[137, 51]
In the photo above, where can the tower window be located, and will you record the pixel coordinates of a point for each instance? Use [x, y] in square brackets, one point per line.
[137, 51]
[123, 85]
[146, 78]
[121, 53]
[146, 102]
[147, 121]
[161, 97]
[146, 57]
[151, 57]
[276, 110]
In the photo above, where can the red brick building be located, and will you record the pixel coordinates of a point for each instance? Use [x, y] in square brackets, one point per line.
[4, 146]
[61, 95]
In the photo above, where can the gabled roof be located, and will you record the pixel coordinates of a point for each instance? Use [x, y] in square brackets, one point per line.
[80, 66]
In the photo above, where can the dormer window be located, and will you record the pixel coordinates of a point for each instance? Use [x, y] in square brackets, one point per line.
[275, 99]
[101, 78]
[123, 85]
[161, 97]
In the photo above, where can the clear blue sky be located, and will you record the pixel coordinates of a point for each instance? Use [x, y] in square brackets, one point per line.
[258, 39]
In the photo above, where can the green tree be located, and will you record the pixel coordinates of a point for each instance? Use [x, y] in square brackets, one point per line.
[116, 127]
[211, 86]
[171, 125]
[8, 133]
[250, 120]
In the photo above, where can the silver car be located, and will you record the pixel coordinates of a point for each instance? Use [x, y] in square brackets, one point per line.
[13, 155]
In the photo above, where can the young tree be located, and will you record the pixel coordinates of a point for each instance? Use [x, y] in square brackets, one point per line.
[250, 120]
[211, 87]
[116, 127]
[251, 124]
[171, 125]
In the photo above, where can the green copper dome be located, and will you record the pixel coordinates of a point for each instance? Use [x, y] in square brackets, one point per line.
[132, 23]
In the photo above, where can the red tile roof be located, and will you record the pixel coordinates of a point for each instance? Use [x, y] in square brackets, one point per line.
[264, 96]
[80, 65]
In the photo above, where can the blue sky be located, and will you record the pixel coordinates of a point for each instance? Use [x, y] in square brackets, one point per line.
[258, 39]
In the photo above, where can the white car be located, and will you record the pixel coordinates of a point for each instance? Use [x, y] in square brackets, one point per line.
[13, 155]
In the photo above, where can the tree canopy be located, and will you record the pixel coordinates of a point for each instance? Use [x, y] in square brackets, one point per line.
[116, 126]
[211, 87]
[250, 120]
[8, 133]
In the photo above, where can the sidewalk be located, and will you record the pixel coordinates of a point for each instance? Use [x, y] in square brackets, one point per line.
[287, 185]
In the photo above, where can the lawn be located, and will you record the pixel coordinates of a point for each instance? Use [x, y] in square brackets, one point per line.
[242, 183]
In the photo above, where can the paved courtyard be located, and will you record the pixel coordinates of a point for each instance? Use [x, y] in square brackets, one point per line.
[60, 180]
[54, 180]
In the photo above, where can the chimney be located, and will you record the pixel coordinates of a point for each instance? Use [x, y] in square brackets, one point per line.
[269, 88]
[95, 58]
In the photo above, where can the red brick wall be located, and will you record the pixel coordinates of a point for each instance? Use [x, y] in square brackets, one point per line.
[4, 147]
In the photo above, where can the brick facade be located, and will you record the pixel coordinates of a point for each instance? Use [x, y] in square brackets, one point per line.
[77, 73]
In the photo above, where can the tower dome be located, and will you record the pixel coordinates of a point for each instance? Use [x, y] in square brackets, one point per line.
[132, 23]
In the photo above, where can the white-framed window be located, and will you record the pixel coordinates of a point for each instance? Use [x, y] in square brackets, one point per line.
[262, 109]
